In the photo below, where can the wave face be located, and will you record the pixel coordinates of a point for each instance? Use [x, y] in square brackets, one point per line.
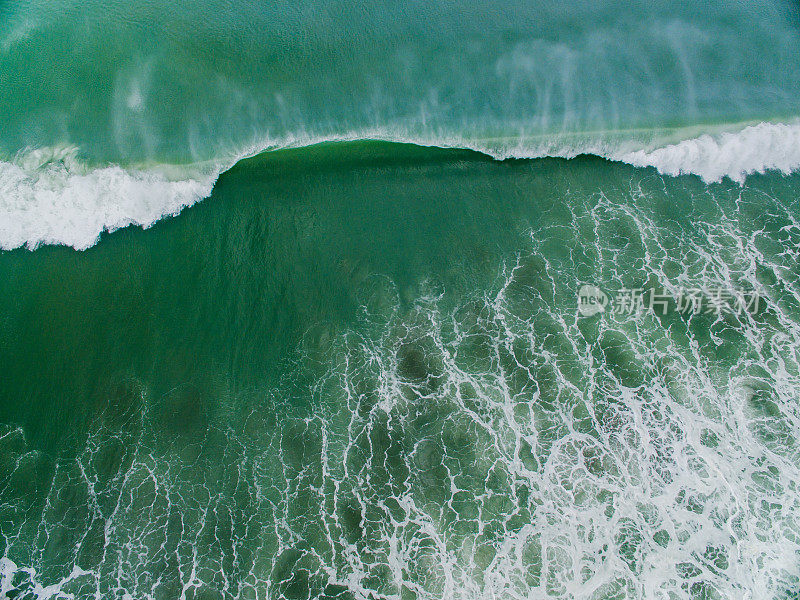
[135, 89]
[370, 379]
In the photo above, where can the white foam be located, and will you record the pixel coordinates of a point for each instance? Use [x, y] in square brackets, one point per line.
[50, 197]
[754, 149]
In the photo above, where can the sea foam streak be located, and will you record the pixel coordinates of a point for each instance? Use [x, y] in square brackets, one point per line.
[497, 447]
[50, 197]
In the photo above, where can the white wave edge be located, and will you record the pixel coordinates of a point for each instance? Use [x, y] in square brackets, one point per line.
[48, 196]
[754, 149]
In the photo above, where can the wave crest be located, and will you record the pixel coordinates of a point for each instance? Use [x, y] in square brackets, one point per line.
[49, 196]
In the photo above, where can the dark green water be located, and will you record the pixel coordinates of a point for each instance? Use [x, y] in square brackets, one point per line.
[359, 371]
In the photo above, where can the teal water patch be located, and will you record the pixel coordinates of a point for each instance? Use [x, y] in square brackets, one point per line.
[177, 83]
[360, 371]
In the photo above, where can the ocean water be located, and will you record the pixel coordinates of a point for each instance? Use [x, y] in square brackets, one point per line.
[361, 363]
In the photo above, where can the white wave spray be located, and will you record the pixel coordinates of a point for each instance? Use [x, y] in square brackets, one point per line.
[50, 197]
[755, 149]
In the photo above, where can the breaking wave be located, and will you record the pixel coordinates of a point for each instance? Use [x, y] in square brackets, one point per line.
[49, 196]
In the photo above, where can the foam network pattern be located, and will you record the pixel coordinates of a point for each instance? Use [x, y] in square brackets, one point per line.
[490, 445]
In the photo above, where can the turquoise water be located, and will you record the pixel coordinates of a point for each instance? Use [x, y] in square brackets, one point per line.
[153, 82]
[359, 368]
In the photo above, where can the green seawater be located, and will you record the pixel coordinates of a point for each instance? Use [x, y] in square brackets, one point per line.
[155, 82]
[399, 300]
[358, 370]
